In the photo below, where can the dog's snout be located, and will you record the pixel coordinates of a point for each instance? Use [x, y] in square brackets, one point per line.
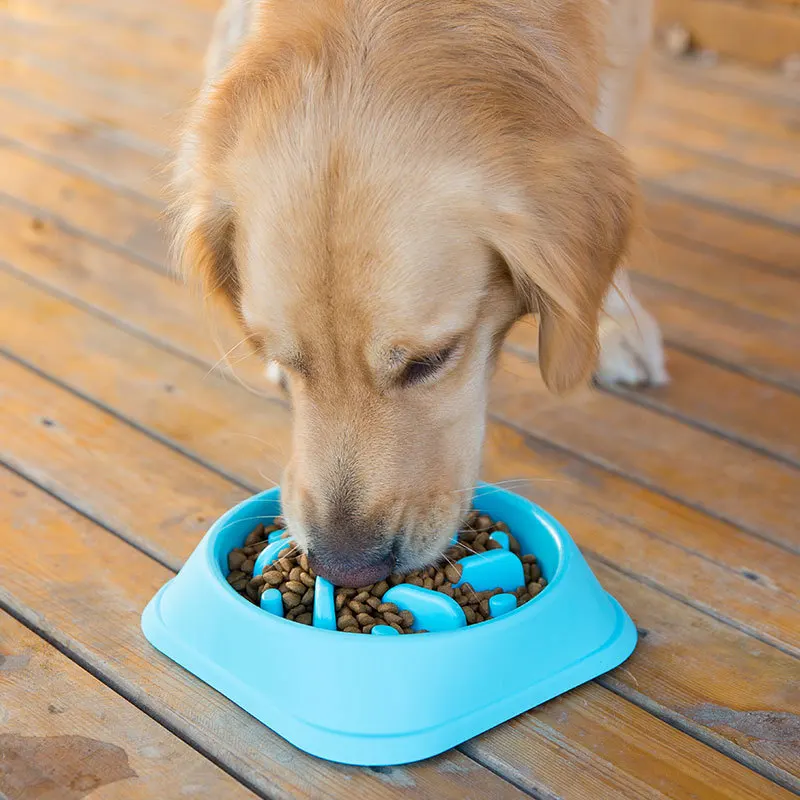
[350, 570]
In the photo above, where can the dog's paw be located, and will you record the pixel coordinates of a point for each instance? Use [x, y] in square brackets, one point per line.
[631, 347]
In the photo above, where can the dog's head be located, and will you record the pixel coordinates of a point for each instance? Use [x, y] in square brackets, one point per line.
[378, 220]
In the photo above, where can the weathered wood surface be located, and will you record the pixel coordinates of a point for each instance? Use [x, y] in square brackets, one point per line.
[125, 437]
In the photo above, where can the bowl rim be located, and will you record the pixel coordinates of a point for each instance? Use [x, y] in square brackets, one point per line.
[553, 528]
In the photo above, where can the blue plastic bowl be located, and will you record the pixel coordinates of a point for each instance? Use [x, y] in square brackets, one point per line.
[382, 700]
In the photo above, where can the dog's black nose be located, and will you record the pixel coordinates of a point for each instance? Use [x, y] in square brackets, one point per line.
[352, 571]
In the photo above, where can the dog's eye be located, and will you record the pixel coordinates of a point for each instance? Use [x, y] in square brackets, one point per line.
[426, 367]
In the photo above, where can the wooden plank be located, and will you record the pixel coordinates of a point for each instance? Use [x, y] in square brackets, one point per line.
[126, 222]
[118, 51]
[714, 140]
[103, 62]
[720, 558]
[98, 150]
[689, 94]
[76, 562]
[102, 106]
[776, 199]
[727, 403]
[760, 32]
[719, 277]
[731, 77]
[680, 217]
[664, 763]
[194, 414]
[758, 346]
[700, 469]
[64, 734]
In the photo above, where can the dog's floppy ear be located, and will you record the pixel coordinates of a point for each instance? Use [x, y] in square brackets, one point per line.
[562, 237]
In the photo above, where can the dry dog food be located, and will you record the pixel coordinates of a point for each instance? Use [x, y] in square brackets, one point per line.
[359, 610]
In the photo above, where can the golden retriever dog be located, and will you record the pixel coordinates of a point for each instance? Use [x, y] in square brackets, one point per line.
[379, 189]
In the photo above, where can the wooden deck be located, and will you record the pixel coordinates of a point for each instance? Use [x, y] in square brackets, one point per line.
[121, 442]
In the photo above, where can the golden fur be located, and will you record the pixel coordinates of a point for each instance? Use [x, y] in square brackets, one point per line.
[370, 182]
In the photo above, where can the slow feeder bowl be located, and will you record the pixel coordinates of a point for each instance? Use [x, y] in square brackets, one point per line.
[379, 700]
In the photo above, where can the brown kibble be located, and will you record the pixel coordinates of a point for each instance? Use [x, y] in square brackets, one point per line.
[307, 580]
[470, 615]
[255, 535]
[397, 627]
[453, 572]
[296, 587]
[484, 608]
[501, 526]
[252, 591]
[374, 603]
[466, 589]
[235, 576]
[304, 562]
[305, 618]
[379, 589]
[362, 596]
[542, 582]
[368, 628]
[348, 593]
[273, 577]
[279, 522]
[430, 572]
[235, 559]
[295, 573]
[481, 539]
[346, 621]
[447, 589]
[528, 559]
[295, 612]
[535, 572]
[407, 617]
[308, 597]
[394, 579]
[358, 608]
[415, 581]
[286, 564]
[290, 600]
[366, 589]
[523, 598]
[392, 618]
[390, 607]
[483, 523]
[365, 619]
[257, 548]
[257, 580]
[427, 582]
[534, 589]
[351, 629]
[339, 601]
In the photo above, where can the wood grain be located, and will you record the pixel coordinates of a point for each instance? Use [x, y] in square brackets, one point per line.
[156, 308]
[698, 468]
[682, 218]
[63, 579]
[193, 415]
[761, 32]
[83, 552]
[762, 348]
[65, 734]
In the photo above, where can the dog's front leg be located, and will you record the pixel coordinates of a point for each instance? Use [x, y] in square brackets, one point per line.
[631, 348]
